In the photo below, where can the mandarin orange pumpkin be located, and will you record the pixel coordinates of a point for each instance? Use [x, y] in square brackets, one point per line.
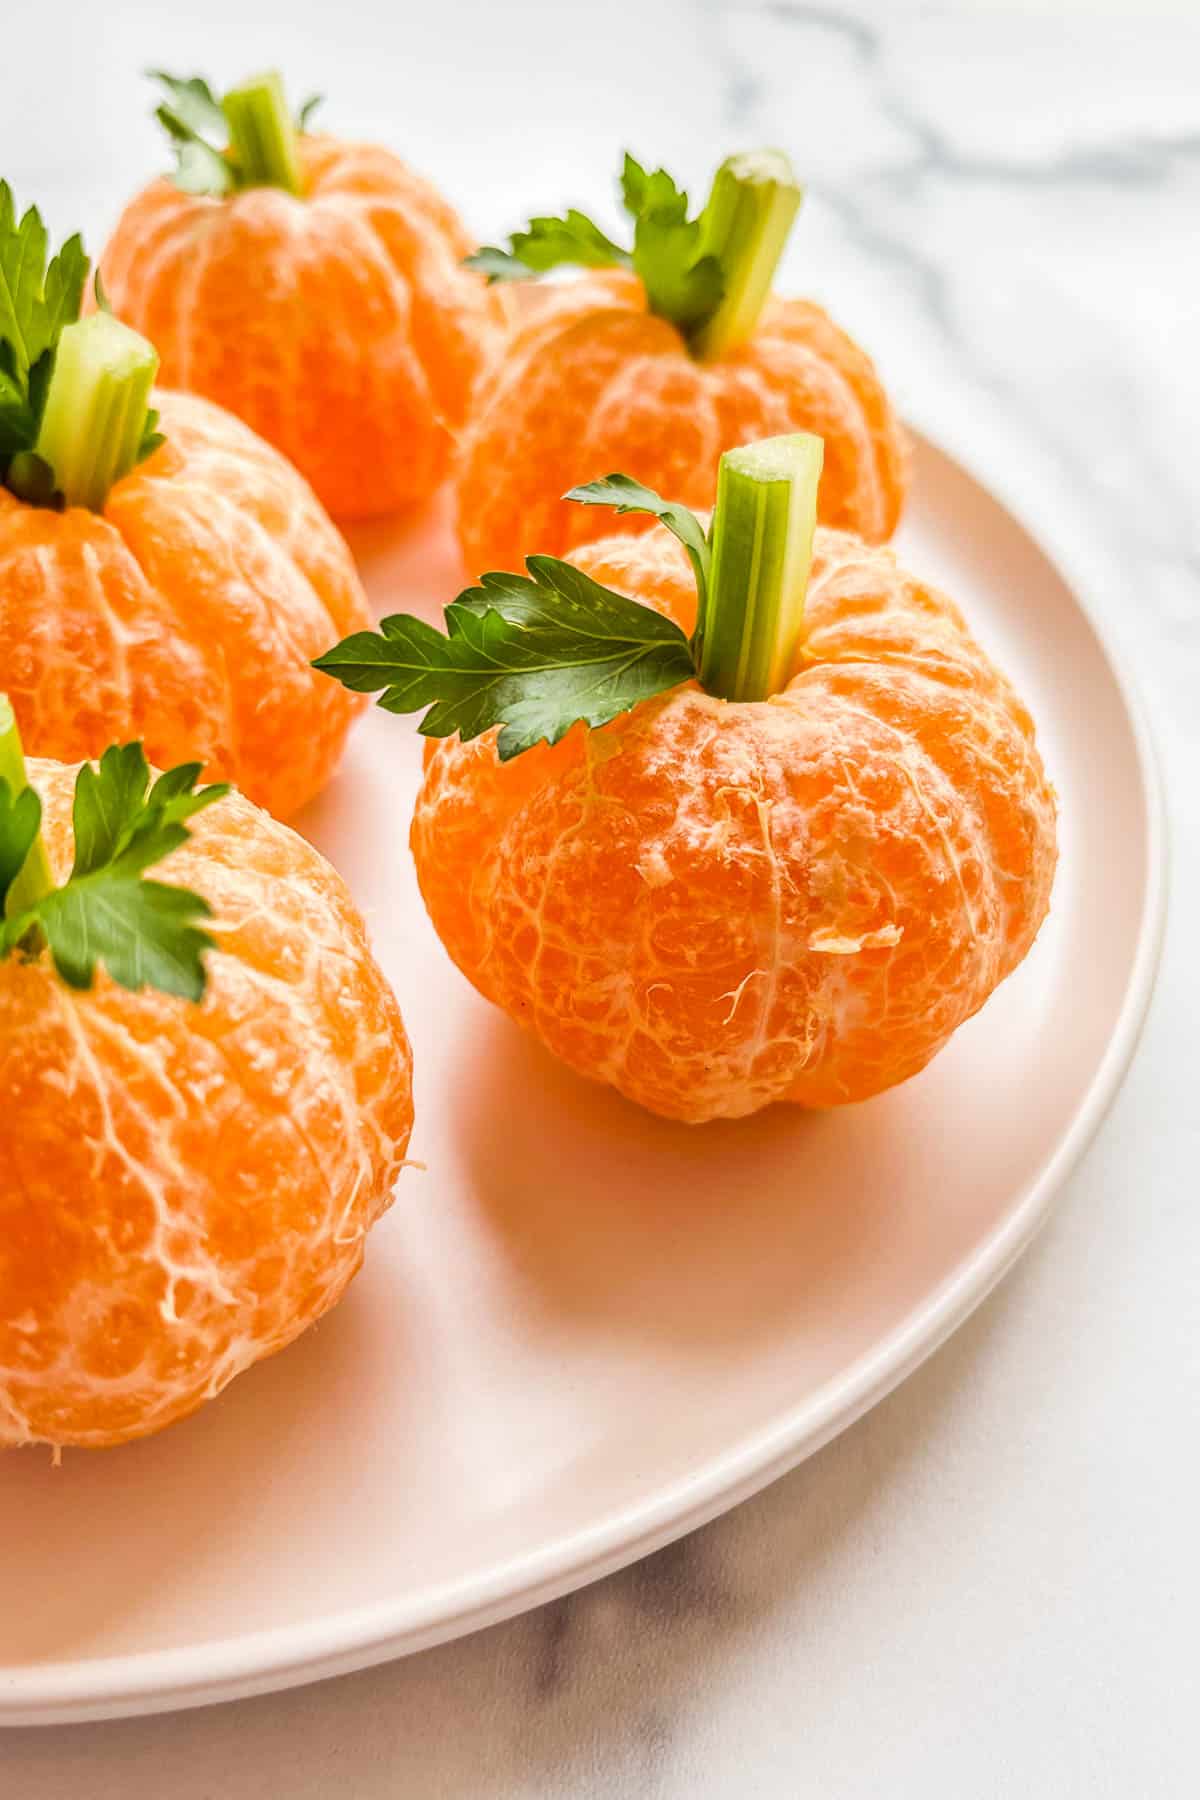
[779, 850]
[312, 286]
[163, 576]
[659, 363]
[186, 1183]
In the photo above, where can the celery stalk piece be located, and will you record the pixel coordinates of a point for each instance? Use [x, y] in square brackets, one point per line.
[755, 197]
[262, 134]
[35, 879]
[96, 408]
[762, 537]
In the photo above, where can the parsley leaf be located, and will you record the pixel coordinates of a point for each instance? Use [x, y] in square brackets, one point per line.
[625, 495]
[194, 118]
[144, 932]
[22, 265]
[36, 301]
[678, 289]
[710, 275]
[641, 192]
[151, 437]
[191, 116]
[498, 264]
[193, 110]
[18, 427]
[115, 819]
[533, 654]
[681, 284]
[32, 479]
[550, 243]
[200, 169]
[62, 292]
[20, 821]
[108, 804]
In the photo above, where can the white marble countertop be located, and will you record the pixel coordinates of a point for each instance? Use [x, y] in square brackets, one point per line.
[988, 1587]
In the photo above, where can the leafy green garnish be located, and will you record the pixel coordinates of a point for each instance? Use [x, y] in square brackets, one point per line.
[39, 316]
[191, 116]
[540, 653]
[687, 265]
[151, 436]
[145, 933]
[625, 495]
[306, 109]
[37, 299]
[192, 110]
[533, 654]
[207, 158]
[114, 817]
[548, 243]
[20, 821]
[680, 283]
[31, 478]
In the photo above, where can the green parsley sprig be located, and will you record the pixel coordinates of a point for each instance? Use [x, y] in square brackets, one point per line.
[244, 138]
[74, 394]
[709, 275]
[536, 654]
[532, 654]
[37, 299]
[145, 933]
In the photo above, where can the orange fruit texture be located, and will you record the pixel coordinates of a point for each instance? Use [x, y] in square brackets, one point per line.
[593, 382]
[339, 324]
[184, 1189]
[185, 615]
[713, 905]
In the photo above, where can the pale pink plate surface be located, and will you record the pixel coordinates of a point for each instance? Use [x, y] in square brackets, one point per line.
[582, 1330]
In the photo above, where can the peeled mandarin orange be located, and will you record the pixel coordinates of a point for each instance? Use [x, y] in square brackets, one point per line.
[184, 1189]
[713, 905]
[593, 382]
[185, 614]
[339, 322]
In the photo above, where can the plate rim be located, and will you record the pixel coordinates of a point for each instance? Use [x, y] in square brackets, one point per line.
[285, 1656]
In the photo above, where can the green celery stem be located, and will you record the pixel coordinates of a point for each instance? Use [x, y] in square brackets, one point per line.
[762, 537]
[262, 135]
[755, 197]
[96, 406]
[35, 879]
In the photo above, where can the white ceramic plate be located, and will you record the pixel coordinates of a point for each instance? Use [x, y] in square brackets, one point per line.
[583, 1331]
